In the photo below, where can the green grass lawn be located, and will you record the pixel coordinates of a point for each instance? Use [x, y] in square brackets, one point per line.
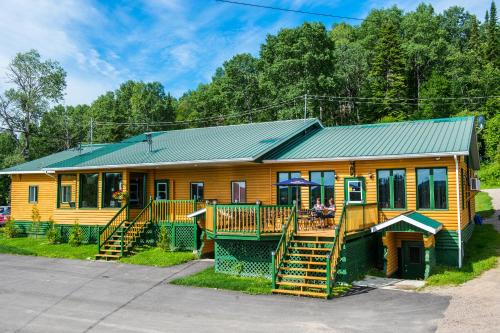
[208, 278]
[484, 206]
[481, 254]
[40, 247]
[153, 256]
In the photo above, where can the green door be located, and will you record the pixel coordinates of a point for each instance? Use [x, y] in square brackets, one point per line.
[413, 260]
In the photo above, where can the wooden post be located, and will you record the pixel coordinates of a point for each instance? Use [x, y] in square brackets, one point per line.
[328, 274]
[257, 219]
[121, 243]
[273, 269]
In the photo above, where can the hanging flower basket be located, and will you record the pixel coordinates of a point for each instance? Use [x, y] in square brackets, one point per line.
[120, 195]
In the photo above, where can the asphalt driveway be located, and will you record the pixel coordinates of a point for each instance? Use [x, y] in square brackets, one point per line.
[56, 295]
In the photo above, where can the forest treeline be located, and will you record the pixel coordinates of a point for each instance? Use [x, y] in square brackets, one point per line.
[393, 66]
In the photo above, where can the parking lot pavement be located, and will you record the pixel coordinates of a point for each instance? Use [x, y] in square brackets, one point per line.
[57, 295]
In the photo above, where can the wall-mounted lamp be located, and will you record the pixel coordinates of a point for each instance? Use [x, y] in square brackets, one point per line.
[370, 174]
[438, 158]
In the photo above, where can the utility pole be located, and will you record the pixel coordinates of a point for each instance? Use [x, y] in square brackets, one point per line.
[91, 130]
[305, 106]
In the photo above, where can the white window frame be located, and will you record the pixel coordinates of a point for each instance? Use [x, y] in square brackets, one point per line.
[240, 190]
[33, 193]
[158, 191]
[360, 191]
[65, 191]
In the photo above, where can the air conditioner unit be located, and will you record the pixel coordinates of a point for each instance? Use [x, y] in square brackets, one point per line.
[475, 184]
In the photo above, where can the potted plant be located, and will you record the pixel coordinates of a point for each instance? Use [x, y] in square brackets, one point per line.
[121, 195]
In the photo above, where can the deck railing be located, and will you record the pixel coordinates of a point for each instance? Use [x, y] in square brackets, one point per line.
[113, 225]
[136, 227]
[174, 210]
[247, 220]
[332, 259]
[360, 216]
[289, 229]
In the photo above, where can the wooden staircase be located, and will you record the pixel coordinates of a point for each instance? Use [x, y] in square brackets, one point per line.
[307, 265]
[120, 234]
[303, 271]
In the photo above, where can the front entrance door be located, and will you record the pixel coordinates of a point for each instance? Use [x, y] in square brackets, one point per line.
[413, 265]
[137, 190]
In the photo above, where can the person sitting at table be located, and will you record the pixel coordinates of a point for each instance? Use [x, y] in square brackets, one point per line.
[318, 211]
[330, 209]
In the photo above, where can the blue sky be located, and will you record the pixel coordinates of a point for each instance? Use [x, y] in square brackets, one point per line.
[179, 43]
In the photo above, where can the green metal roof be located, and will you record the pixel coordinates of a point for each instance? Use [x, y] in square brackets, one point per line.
[278, 141]
[412, 221]
[39, 164]
[232, 143]
[422, 137]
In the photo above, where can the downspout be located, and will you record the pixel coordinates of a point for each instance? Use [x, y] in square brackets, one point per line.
[459, 212]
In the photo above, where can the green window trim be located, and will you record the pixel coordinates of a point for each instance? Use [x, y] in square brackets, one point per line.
[80, 191]
[431, 188]
[60, 186]
[290, 196]
[391, 189]
[103, 188]
[322, 187]
[35, 194]
[363, 190]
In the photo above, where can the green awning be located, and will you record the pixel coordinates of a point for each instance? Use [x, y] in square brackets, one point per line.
[408, 222]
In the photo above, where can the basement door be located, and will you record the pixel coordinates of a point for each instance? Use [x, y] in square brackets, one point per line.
[413, 264]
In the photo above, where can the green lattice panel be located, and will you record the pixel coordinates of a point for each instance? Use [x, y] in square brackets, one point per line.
[184, 236]
[245, 258]
[90, 232]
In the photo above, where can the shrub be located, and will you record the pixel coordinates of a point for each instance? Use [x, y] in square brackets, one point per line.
[75, 235]
[164, 239]
[10, 229]
[36, 221]
[490, 174]
[53, 233]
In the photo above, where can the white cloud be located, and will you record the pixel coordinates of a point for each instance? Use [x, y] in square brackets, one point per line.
[54, 29]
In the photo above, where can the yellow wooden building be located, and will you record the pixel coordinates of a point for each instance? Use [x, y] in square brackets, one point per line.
[403, 195]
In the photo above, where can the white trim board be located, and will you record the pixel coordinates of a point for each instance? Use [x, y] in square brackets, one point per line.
[406, 219]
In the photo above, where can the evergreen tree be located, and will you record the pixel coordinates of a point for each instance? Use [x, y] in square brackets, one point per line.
[388, 74]
[492, 35]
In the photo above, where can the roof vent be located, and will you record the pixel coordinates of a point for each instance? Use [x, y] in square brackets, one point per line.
[149, 140]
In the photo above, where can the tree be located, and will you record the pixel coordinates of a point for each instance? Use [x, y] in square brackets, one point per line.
[296, 62]
[387, 74]
[492, 36]
[36, 84]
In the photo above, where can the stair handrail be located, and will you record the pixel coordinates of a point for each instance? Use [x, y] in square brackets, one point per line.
[332, 258]
[277, 256]
[146, 211]
[112, 226]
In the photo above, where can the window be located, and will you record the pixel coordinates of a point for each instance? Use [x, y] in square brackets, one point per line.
[112, 182]
[287, 195]
[238, 191]
[391, 189]
[415, 255]
[197, 191]
[66, 194]
[66, 184]
[89, 190]
[431, 188]
[161, 190]
[326, 191]
[33, 194]
[355, 190]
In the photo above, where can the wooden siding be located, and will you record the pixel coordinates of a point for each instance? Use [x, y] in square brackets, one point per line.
[392, 241]
[259, 181]
[21, 209]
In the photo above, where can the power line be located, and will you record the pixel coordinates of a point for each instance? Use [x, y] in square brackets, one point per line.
[290, 10]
